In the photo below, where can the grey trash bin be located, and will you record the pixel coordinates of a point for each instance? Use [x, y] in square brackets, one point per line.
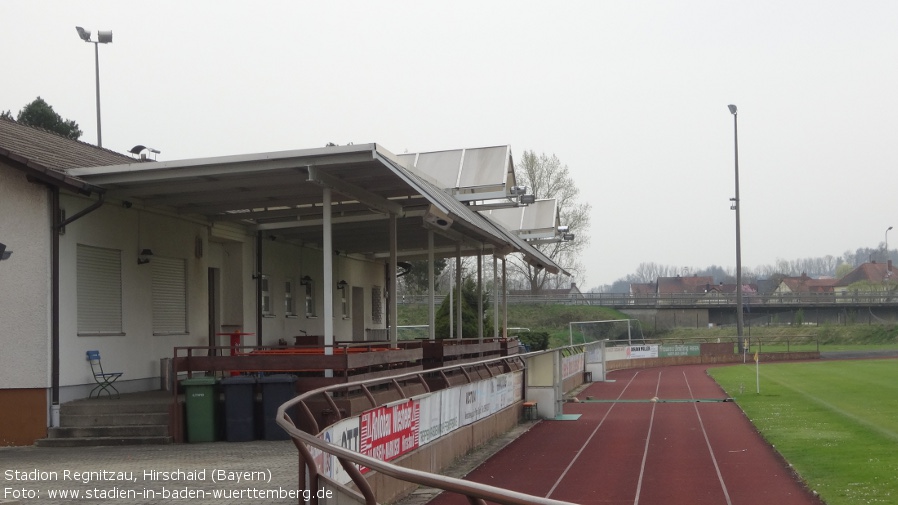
[239, 405]
[276, 390]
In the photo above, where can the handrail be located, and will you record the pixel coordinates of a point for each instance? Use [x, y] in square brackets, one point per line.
[476, 493]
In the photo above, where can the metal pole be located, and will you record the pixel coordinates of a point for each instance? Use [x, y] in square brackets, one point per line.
[97, 68]
[737, 207]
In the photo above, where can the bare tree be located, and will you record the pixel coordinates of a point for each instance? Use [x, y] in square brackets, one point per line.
[549, 178]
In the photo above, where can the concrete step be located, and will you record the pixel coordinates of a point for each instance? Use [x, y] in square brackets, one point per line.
[111, 406]
[159, 430]
[101, 441]
[118, 419]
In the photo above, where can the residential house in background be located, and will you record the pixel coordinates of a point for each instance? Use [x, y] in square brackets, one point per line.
[868, 278]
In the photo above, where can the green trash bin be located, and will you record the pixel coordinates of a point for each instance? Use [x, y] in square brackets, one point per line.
[199, 395]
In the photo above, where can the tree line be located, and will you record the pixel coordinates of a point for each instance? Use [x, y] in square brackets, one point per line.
[828, 266]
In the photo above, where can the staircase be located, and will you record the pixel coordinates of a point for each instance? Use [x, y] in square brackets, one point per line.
[132, 419]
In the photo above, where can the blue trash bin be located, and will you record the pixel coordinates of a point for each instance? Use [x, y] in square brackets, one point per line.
[239, 406]
[276, 390]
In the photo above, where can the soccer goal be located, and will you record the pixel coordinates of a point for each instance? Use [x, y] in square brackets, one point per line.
[613, 330]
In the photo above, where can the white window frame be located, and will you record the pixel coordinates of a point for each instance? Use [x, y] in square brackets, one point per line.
[267, 310]
[310, 298]
[289, 299]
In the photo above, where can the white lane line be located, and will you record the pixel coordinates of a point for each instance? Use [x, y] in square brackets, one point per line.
[648, 438]
[723, 485]
[579, 452]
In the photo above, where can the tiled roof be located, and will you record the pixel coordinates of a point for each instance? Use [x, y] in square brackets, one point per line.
[52, 150]
[870, 272]
[47, 155]
[694, 284]
[805, 284]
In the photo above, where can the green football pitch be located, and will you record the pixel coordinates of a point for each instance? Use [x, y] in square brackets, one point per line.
[836, 422]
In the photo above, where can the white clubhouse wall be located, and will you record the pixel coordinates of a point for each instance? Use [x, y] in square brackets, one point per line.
[229, 249]
[24, 282]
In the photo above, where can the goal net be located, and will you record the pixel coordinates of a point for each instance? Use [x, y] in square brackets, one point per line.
[616, 331]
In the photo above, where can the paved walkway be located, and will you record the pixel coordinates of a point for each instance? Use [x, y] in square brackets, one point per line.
[199, 474]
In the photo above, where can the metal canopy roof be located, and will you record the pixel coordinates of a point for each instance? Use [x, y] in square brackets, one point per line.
[280, 194]
[482, 173]
[535, 221]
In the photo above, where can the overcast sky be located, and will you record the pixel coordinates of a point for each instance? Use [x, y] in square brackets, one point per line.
[632, 96]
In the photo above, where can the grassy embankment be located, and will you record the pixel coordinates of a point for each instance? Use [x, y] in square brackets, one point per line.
[555, 319]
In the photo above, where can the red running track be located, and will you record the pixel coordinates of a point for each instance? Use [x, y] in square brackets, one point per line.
[669, 452]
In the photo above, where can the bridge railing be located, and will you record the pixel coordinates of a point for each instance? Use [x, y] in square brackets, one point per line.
[873, 298]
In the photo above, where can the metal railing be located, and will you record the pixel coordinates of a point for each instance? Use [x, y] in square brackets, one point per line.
[476, 493]
[871, 298]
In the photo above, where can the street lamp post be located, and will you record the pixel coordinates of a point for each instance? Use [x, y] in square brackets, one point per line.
[103, 37]
[736, 205]
[887, 244]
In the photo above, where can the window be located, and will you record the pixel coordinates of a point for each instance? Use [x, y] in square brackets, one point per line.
[99, 290]
[169, 296]
[266, 297]
[289, 301]
[344, 302]
[310, 296]
[376, 305]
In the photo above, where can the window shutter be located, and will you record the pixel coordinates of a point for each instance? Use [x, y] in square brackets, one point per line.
[99, 288]
[169, 296]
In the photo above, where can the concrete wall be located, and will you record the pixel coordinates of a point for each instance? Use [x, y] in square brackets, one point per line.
[24, 308]
[229, 251]
[24, 282]
[282, 261]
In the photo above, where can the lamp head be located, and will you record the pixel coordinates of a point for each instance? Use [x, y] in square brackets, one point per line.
[84, 34]
[104, 36]
[732, 109]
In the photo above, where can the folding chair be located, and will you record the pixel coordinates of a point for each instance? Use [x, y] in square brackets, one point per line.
[104, 379]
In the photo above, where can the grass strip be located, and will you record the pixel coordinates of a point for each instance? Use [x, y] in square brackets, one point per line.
[836, 422]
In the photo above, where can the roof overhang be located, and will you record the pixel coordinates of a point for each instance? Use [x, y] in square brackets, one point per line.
[280, 194]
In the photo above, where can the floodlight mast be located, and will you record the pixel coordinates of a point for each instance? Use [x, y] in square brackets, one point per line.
[103, 37]
[736, 206]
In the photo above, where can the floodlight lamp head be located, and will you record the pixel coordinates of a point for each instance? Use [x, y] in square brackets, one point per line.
[568, 237]
[104, 36]
[564, 229]
[732, 109]
[527, 199]
[84, 34]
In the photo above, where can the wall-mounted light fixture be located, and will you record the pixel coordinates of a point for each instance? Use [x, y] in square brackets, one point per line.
[4, 254]
[305, 280]
[341, 285]
[144, 257]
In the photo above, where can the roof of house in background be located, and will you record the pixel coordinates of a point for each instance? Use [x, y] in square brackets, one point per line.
[694, 284]
[870, 272]
[648, 288]
[805, 284]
